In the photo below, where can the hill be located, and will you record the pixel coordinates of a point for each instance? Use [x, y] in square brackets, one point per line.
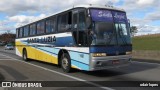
[147, 42]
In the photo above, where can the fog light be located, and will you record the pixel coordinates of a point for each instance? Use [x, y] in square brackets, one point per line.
[99, 54]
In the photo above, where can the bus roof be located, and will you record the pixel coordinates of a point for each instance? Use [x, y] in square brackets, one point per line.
[78, 6]
[99, 6]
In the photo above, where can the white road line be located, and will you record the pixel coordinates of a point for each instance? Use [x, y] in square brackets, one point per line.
[146, 62]
[6, 59]
[72, 77]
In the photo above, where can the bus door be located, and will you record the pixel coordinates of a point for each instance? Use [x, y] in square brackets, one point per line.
[80, 35]
[79, 28]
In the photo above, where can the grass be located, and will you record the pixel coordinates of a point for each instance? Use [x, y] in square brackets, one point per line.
[148, 42]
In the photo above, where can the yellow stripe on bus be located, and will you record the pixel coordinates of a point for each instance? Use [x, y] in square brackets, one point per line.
[36, 54]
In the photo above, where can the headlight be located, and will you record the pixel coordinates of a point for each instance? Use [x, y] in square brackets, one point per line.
[99, 54]
[128, 53]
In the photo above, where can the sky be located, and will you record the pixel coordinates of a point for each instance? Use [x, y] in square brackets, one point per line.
[145, 14]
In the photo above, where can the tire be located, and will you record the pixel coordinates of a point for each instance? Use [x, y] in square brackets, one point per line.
[66, 63]
[25, 58]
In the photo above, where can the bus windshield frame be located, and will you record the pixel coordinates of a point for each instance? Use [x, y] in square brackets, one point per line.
[109, 27]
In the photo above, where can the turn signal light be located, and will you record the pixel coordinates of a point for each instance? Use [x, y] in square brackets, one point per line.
[99, 54]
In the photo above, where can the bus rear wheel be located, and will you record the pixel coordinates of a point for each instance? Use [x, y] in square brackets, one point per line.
[25, 58]
[66, 63]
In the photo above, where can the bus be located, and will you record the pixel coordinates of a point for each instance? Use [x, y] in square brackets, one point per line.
[84, 37]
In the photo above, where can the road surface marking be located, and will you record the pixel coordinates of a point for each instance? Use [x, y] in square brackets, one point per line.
[6, 59]
[146, 62]
[72, 77]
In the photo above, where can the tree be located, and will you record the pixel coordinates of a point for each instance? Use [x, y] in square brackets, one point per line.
[7, 37]
[134, 30]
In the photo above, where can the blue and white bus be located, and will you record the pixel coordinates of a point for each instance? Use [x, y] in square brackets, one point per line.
[85, 37]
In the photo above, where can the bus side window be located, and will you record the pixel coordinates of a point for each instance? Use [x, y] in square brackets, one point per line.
[20, 32]
[26, 29]
[50, 25]
[63, 22]
[32, 29]
[17, 32]
[40, 27]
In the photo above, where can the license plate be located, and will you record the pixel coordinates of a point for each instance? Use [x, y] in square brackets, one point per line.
[115, 62]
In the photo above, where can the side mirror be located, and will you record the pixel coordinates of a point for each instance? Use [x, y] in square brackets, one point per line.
[129, 25]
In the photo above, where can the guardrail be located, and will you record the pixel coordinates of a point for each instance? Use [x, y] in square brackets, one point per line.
[146, 54]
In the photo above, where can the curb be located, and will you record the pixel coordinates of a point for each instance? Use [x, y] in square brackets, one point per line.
[146, 60]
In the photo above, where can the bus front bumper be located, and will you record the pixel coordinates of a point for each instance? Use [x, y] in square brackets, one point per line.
[100, 63]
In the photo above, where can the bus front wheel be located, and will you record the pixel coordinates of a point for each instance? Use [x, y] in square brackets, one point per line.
[66, 63]
[25, 55]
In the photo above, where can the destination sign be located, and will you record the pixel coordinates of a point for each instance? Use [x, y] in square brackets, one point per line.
[101, 15]
[119, 16]
[108, 15]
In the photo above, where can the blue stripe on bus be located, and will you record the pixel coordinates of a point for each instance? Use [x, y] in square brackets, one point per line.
[60, 41]
[44, 46]
[86, 59]
[110, 49]
[80, 65]
[74, 51]
[80, 62]
[64, 41]
[76, 59]
[47, 51]
[80, 57]
[73, 55]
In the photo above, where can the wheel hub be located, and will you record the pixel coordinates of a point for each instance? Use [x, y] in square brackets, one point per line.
[24, 57]
[65, 63]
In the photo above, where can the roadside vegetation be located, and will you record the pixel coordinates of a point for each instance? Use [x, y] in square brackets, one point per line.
[7, 38]
[147, 42]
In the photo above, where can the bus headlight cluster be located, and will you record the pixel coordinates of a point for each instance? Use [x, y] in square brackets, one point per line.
[128, 53]
[99, 54]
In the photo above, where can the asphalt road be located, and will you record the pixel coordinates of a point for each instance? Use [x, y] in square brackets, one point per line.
[13, 68]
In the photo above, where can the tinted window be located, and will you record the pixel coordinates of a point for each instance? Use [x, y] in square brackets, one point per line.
[63, 22]
[17, 30]
[21, 32]
[40, 27]
[33, 29]
[75, 17]
[26, 31]
[50, 25]
[82, 21]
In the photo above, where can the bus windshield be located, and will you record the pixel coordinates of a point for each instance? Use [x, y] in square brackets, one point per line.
[109, 27]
